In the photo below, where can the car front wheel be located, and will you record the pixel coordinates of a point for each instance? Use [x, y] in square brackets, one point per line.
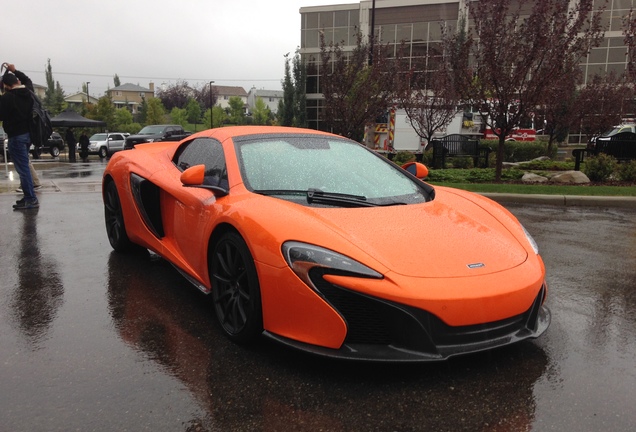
[103, 152]
[235, 289]
[115, 228]
[55, 151]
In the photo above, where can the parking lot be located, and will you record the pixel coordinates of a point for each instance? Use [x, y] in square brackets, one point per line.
[93, 340]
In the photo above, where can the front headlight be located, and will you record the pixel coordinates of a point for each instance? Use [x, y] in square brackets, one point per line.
[533, 243]
[303, 257]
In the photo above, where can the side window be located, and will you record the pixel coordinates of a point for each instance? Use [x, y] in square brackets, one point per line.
[208, 152]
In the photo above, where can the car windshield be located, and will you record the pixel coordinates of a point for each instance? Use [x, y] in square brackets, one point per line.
[325, 171]
[151, 130]
[98, 137]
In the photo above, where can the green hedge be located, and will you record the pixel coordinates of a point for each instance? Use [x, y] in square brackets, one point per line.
[521, 151]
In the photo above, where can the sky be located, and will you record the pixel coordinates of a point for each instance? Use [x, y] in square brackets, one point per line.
[231, 42]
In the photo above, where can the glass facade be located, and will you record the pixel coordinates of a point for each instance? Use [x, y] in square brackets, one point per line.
[419, 25]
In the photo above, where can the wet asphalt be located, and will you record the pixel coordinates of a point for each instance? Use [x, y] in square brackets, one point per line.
[91, 340]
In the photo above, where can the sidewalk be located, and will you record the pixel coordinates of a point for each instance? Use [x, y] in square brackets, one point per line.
[63, 176]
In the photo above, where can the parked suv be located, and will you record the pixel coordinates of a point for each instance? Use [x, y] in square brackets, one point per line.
[105, 144]
[53, 146]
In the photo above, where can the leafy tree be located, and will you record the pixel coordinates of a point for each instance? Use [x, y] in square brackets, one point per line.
[220, 117]
[193, 112]
[429, 98]
[261, 114]
[179, 116]
[122, 119]
[514, 51]
[286, 115]
[155, 112]
[54, 94]
[237, 110]
[601, 104]
[116, 80]
[355, 91]
[557, 104]
[176, 95]
[300, 92]
[105, 111]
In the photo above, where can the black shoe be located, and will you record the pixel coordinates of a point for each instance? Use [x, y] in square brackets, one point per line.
[19, 202]
[26, 205]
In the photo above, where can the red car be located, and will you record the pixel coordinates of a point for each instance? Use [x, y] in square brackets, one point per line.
[319, 243]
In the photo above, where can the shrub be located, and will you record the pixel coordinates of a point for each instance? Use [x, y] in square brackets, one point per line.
[627, 171]
[462, 162]
[520, 151]
[403, 157]
[599, 168]
[547, 165]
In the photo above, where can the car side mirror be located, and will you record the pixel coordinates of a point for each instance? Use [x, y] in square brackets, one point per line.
[418, 169]
[193, 176]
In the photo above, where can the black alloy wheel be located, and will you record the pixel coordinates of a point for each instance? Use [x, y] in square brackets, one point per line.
[115, 228]
[235, 289]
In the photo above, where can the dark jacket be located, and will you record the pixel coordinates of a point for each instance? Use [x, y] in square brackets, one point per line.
[16, 106]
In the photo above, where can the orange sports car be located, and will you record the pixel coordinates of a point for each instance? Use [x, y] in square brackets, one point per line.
[321, 244]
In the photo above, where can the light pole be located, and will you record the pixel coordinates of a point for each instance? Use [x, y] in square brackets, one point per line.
[211, 110]
[88, 95]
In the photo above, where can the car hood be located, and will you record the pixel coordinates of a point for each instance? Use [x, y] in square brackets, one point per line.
[451, 236]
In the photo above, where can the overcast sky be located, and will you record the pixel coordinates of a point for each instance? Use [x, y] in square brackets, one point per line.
[232, 42]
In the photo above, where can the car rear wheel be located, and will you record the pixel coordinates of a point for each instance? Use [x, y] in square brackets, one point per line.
[55, 151]
[235, 289]
[115, 228]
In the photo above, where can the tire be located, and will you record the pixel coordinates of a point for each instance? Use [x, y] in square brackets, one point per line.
[235, 289]
[55, 151]
[115, 227]
[103, 152]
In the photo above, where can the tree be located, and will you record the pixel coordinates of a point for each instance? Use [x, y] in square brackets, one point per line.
[123, 121]
[287, 114]
[179, 116]
[116, 80]
[220, 117]
[515, 52]
[193, 110]
[601, 104]
[155, 112]
[300, 93]
[105, 111]
[237, 110]
[54, 94]
[429, 98]
[355, 92]
[261, 114]
[176, 95]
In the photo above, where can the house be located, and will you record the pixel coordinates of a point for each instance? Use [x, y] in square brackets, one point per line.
[130, 96]
[78, 99]
[270, 97]
[224, 93]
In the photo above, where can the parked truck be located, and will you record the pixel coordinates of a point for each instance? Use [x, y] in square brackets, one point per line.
[154, 133]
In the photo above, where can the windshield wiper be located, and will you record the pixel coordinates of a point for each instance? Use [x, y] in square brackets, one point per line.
[316, 196]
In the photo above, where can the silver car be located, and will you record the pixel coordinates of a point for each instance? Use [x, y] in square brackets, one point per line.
[105, 144]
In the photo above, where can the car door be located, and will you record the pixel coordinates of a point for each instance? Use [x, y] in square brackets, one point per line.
[115, 142]
[194, 210]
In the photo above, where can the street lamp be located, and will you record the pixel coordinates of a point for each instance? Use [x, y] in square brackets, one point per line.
[88, 96]
[211, 110]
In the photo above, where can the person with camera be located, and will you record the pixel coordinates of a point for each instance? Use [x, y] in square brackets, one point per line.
[16, 104]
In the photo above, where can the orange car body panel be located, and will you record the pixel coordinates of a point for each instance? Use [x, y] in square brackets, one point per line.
[424, 251]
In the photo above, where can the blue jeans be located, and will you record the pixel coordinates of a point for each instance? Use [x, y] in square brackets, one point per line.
[19, 149]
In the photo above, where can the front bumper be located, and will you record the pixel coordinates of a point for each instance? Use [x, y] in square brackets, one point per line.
[380, 330]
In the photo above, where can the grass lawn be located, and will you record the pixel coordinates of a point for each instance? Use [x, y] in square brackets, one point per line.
[589, 190]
